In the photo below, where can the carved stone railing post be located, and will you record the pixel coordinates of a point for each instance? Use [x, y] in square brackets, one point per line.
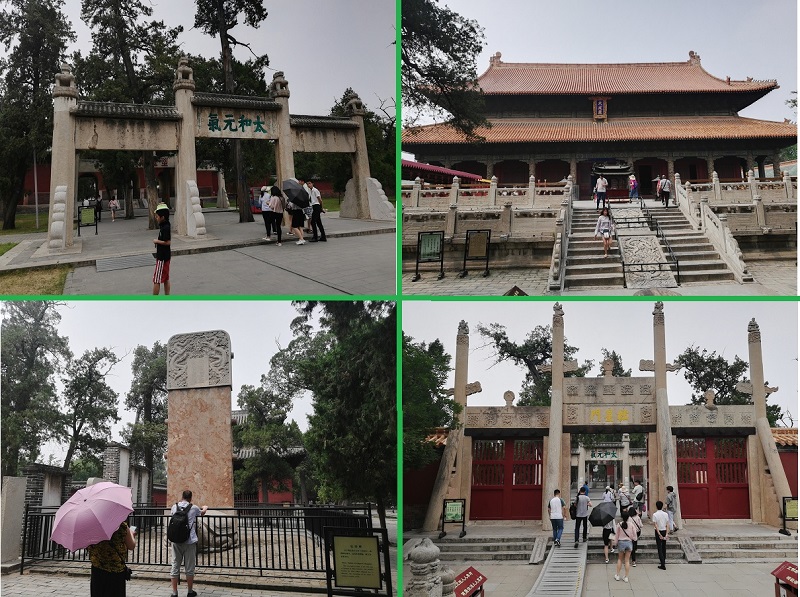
[493, 191]
[717, 189]
[506, 219]
[454, 190]
[680, 200]
[448, 577]
[416, 191]
[787, 185]
[450, 221]
[703, 208]
[761, 217]
[751, 184]
[531, 190]
[425, 579]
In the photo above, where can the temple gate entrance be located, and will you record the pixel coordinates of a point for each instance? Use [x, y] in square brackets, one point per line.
[507, 479]
[712, 477]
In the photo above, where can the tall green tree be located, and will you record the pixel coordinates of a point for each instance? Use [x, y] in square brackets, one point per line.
[217, 18]
[35, 34]
[266, 431]
[147, 397]
[533, 352]
[31, 354]
[706, 370]
[438, 65]
[89, 403]
[426, 405]
[132, 61]
[349, 366]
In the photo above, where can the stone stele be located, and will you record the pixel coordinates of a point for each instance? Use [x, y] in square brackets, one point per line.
[199, 442]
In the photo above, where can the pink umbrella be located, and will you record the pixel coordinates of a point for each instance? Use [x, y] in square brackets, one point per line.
[92, 515]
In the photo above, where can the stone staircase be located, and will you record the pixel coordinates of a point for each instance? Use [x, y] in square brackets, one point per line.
[646, 551]
[721, 549]
[483, 549]
[586, 265]
[699, 260]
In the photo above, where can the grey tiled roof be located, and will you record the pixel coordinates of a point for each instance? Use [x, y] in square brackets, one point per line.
[330, 122]
[234, 101]
[131, 111]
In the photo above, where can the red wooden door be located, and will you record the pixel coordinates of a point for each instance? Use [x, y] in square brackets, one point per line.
[506, 479]
[712, 477]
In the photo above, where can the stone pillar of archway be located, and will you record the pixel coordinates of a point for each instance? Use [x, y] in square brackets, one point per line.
[186, 222]
[284, 156]
[63, 172]
[669, 466]
[626, 459]
[359, 208]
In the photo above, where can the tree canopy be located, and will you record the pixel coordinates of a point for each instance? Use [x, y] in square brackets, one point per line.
[439, 52]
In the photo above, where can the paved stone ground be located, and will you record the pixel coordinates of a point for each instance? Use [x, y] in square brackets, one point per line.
[359, 258]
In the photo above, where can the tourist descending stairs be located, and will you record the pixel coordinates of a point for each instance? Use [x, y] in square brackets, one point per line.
[586, 266]
[699, 260]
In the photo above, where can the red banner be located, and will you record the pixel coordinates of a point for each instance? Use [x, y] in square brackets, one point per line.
[787, 572]
[468, 582]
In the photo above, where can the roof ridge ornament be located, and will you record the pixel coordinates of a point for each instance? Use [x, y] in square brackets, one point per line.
[495, 60]
[694, 58]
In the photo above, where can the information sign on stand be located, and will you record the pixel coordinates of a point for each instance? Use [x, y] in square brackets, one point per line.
[430, 248]
[86, 217]
[477, 249]
[357, 562]
[789, 513]
[454, 511]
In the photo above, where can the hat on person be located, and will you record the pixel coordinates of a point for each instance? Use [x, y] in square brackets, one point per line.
[624, 489]
[264, 188]
[608, 487]
[162, 207]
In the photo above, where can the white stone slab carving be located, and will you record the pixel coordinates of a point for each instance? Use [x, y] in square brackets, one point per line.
[199, 360]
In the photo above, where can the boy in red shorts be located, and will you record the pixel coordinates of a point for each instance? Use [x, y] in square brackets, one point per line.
[163, 254]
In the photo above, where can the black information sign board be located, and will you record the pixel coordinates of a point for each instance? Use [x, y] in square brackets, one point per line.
[454, 511]
[86, 217]
[357, 562]
[789, 512]
[477, 249]
[430, 248]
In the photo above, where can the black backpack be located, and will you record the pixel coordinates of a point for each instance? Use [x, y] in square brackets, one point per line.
[178, 530]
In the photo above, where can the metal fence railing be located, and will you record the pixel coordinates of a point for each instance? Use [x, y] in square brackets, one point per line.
[254, 539]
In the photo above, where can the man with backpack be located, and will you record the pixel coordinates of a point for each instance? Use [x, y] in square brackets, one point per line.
[182, 533]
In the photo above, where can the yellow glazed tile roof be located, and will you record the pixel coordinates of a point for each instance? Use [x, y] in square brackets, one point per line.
[784, 436]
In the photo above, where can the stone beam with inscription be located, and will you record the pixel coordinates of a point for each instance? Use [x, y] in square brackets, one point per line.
[514, 417]
[700, 416]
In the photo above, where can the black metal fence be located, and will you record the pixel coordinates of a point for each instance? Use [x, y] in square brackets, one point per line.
[254, 539]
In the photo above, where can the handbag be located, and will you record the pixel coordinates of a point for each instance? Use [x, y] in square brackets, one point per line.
[307, 211]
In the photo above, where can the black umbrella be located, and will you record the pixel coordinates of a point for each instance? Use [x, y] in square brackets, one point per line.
[602, 514]
[296, 193]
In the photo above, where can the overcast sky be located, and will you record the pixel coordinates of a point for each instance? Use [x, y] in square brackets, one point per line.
[255, 327]
[322, 47]
[626, 327]
[735, 38]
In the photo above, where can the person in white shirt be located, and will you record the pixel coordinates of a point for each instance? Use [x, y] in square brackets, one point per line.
[266, 212]
[558, 512]
[661, 525]
[600, 190]
[317, 229]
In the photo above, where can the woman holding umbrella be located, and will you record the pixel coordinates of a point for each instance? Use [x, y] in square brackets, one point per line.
[108, 563]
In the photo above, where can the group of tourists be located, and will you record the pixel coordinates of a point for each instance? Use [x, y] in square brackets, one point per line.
[623, 537]
[274, 204]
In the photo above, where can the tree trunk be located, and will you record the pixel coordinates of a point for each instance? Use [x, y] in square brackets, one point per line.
[152, 191]
[242, 194]
[381, 506]
[9, 201]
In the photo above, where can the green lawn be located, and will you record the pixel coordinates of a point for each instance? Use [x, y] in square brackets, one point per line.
[6, 247]
[36, 281]
[26, 223]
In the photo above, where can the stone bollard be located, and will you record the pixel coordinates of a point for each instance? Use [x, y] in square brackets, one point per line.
[531, 190]
[425, 581]
[493, 191]
[506, 219]
[450, 221]
[448, 576]
[758, 205]
[454, 189]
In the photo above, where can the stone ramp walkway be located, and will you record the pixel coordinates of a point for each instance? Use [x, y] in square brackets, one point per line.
[563, 572]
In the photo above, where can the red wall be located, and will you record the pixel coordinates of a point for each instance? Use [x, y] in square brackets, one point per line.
[789, 460]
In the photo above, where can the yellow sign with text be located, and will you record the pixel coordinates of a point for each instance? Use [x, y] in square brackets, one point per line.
[356, 562]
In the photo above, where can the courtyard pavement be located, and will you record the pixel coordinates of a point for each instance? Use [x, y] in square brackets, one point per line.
[772, 278]
[359, 258]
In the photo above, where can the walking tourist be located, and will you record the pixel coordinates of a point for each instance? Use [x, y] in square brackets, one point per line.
[604, 227]
[666, 187]
[638, 495]
[266, 212]
[633, 187]
[163, 251]
[108, 563]
[113, 205]
[586, 488]
[634, 518]
[307, 211]
[276, 204]
[608, 530]
[625, 499]
[184, 550]
[317, 209]
[608, 494]
[623, 539]
[600, 189]
[98, 208]
[582, 505]
[661, 525]
[298, 218]
[557, 510]
[672, 504]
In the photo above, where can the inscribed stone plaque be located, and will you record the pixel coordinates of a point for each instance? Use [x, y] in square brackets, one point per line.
[199, 360]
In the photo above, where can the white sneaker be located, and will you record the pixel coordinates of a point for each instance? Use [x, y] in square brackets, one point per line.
[278, 245]
[266, 238]
[300, 242]
[625, 579]
[616, 577]
[634, 564]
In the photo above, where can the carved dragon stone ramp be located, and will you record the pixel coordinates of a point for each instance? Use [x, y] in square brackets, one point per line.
[562, 575]
[645, 263]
